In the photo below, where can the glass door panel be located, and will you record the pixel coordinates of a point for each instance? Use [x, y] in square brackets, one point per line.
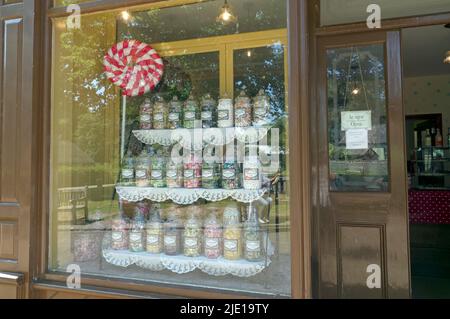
[357, 119]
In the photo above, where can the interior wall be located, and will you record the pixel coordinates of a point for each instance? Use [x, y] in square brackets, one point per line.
[428, 95]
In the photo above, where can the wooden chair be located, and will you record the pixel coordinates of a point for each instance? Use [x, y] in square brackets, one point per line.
[71, 201]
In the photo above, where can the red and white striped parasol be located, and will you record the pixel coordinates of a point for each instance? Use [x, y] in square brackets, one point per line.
[133, 66]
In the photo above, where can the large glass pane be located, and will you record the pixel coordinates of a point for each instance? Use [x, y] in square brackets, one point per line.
[357, 119]
[334, 12]
[264, 68]
[122, 207]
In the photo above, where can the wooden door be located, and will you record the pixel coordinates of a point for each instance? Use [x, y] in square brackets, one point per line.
[18, 133]
[361, 226]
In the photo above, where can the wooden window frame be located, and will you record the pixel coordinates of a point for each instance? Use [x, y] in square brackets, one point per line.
[299, 171]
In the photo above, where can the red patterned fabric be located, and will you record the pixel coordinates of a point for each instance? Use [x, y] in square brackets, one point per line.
[429, 207]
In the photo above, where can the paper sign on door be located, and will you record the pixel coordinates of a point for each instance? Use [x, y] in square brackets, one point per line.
[357, 139]
[356, 120]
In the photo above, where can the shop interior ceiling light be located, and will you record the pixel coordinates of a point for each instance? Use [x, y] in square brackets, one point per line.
[226, 14]
[447, 56]
[126, 16]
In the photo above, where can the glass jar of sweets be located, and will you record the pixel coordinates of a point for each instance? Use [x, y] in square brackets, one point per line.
[158, 176]
[232, 233]
[193, 172]
[193, 232]
[172, 234]
[155, 231]
[209, 114]
[213, 235]
[252, 177]
[146, 115]
[175, 114]
[252, 236]
[252, 173]
[261, 108]
[191, 117]
[120, 233]
[143, 169]
[143, 207]
[243, 111]
[174, 175]
[137, 234]
[231, 175]
[211, 175]
[127, 172]
[160, 113]
[225, 112]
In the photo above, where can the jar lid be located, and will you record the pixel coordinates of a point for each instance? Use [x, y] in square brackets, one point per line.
[231, 215]
[243, 98]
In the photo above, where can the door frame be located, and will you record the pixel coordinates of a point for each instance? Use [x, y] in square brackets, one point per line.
[317, 32]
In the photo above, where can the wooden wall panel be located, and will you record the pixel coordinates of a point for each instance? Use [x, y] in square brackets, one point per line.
[8, 240]
[359, 247]
[10, 108]
[18, 137]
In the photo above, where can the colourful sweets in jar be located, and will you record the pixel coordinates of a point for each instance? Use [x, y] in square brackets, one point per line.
[232, 242]
[232, 234]
[137, 233]
[191, 117]
[174, 175]
[160, 113]
[193, 232]
[211, 175]
[261, 108]
[143, 168]
[120, 233]
[143, 208]
[193, 172]
[243, 111]
[127, 172]
[175, 113]
[252, 237]
[213, 236]
[146, 115]
[252, 173]
[230, 175]
[172, 235]
[225, 112]
[209, 114]
[158, 175]
[155, 231]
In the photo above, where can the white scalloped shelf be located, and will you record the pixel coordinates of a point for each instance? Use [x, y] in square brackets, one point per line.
[198, 138]
[184, 196]
[183, 265]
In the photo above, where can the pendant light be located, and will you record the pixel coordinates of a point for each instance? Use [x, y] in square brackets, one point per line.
[447, 58]
[226, 14]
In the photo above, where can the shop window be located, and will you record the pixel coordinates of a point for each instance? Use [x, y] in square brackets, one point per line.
[333, 12]
[357, 119]
[187, 183]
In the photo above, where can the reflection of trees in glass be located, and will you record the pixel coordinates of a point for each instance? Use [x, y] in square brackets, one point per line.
[81, 63]
[347, 69]
[199, 20]
[85, 97]
[264, 69]
[356, 82]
